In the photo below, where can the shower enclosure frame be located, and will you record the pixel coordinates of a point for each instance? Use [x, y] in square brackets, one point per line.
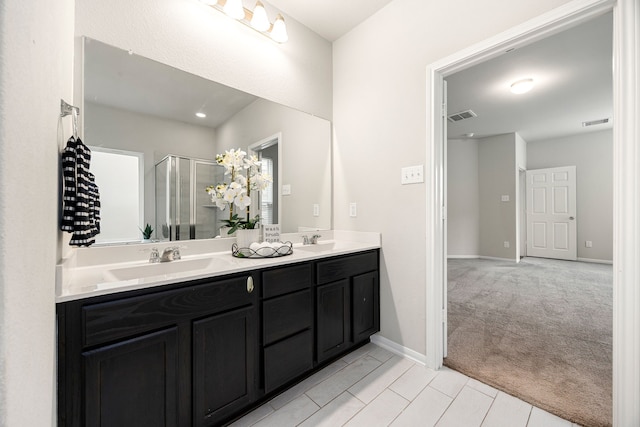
[173, 207]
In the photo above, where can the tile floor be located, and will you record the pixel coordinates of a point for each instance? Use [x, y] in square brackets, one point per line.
[374, 387]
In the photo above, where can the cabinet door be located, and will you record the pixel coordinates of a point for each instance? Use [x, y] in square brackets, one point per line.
[365, 314]
[333, 319]
[133, 383]
[224, 360]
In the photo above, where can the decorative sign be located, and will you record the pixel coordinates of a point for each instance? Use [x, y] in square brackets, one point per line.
[271, 233]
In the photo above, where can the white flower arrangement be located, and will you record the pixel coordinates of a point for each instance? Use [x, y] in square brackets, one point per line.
[244, 176]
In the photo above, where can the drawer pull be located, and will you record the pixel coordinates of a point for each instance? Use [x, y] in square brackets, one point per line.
[249, 284]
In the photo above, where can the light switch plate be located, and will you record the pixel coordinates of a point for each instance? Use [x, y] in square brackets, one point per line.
[505, 198]
[353, 210]
[316, 209]
[412, 175]
[286, 189]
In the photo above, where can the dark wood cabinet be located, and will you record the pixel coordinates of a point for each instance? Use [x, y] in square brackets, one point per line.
[365, 307]
[333, 319]
[287, 324]
[348, 310]
[133, 382]
[224, 350]
[201, 353]
[177, 357]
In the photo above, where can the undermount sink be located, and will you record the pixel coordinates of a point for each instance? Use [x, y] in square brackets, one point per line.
[319, 247]
[160, 269]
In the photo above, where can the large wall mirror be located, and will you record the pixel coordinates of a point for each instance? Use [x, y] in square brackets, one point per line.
[135, 107]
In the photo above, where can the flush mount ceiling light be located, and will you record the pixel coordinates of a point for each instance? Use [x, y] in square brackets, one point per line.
[256, 18]
[522, 86]
[201, 115]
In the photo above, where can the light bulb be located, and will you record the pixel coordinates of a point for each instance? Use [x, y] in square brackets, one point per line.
[260, 20]
[522, 86]
[234, 9]
[279, 31]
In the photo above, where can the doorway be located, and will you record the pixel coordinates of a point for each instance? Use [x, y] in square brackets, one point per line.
[626, 166]
[267, 202]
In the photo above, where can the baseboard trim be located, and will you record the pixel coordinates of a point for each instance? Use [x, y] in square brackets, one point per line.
[480, 257]
[463, 256]
[596, 261]
[398, 349]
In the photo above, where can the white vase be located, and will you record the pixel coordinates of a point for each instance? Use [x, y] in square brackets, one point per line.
[224, 232]
[244, 238]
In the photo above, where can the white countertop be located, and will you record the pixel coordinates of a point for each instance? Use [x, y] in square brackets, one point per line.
[90, 272]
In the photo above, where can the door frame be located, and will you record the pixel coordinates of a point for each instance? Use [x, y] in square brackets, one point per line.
[626, 196]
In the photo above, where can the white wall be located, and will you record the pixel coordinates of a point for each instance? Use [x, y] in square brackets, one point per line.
[193, 37]
[36, 63]
[381, 122]
[463, 210]
[592, 154]
[497, 178]
[306, 157]
[154, 137]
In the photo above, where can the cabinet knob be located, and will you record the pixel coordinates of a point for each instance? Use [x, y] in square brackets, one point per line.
[364, 299]
[249, 284]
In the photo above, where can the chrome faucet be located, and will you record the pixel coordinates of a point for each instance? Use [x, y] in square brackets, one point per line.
[171, 253]
[154, 256]
[306, 240]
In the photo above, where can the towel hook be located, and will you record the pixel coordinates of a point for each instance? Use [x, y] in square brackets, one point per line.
[67, 109]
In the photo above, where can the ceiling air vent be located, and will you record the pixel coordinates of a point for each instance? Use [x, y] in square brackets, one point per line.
[595, 122]
[462, 115]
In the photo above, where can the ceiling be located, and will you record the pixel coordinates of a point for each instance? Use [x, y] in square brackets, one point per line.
[572, 72]
[330, 18]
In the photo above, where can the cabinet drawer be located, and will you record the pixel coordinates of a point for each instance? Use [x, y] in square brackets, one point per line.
[286, 315]
[287, 359]
[341, 268]
[112, 320]
[284, 280]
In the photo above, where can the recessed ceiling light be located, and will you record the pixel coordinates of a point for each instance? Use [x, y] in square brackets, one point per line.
[201, 115]
[522, 86]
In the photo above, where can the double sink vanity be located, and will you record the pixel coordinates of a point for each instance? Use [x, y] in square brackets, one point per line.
[202, 340]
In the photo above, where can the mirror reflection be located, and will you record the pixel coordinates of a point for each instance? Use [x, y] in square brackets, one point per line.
[167, 126]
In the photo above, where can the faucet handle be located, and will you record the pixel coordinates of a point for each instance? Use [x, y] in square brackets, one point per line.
[154, 256]
[314, 238]
[176, 253]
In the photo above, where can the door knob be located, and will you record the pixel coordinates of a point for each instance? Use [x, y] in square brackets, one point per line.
[571, 218]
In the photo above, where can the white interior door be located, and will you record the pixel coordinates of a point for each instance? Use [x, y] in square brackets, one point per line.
[551, 213]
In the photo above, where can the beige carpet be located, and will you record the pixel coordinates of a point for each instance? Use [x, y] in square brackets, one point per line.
[540, 330]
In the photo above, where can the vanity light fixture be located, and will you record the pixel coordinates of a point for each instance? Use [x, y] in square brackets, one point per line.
[279, 31]
[234, 9]
[522, 86]
[256, 18]
[201, 115]
[260, 20]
